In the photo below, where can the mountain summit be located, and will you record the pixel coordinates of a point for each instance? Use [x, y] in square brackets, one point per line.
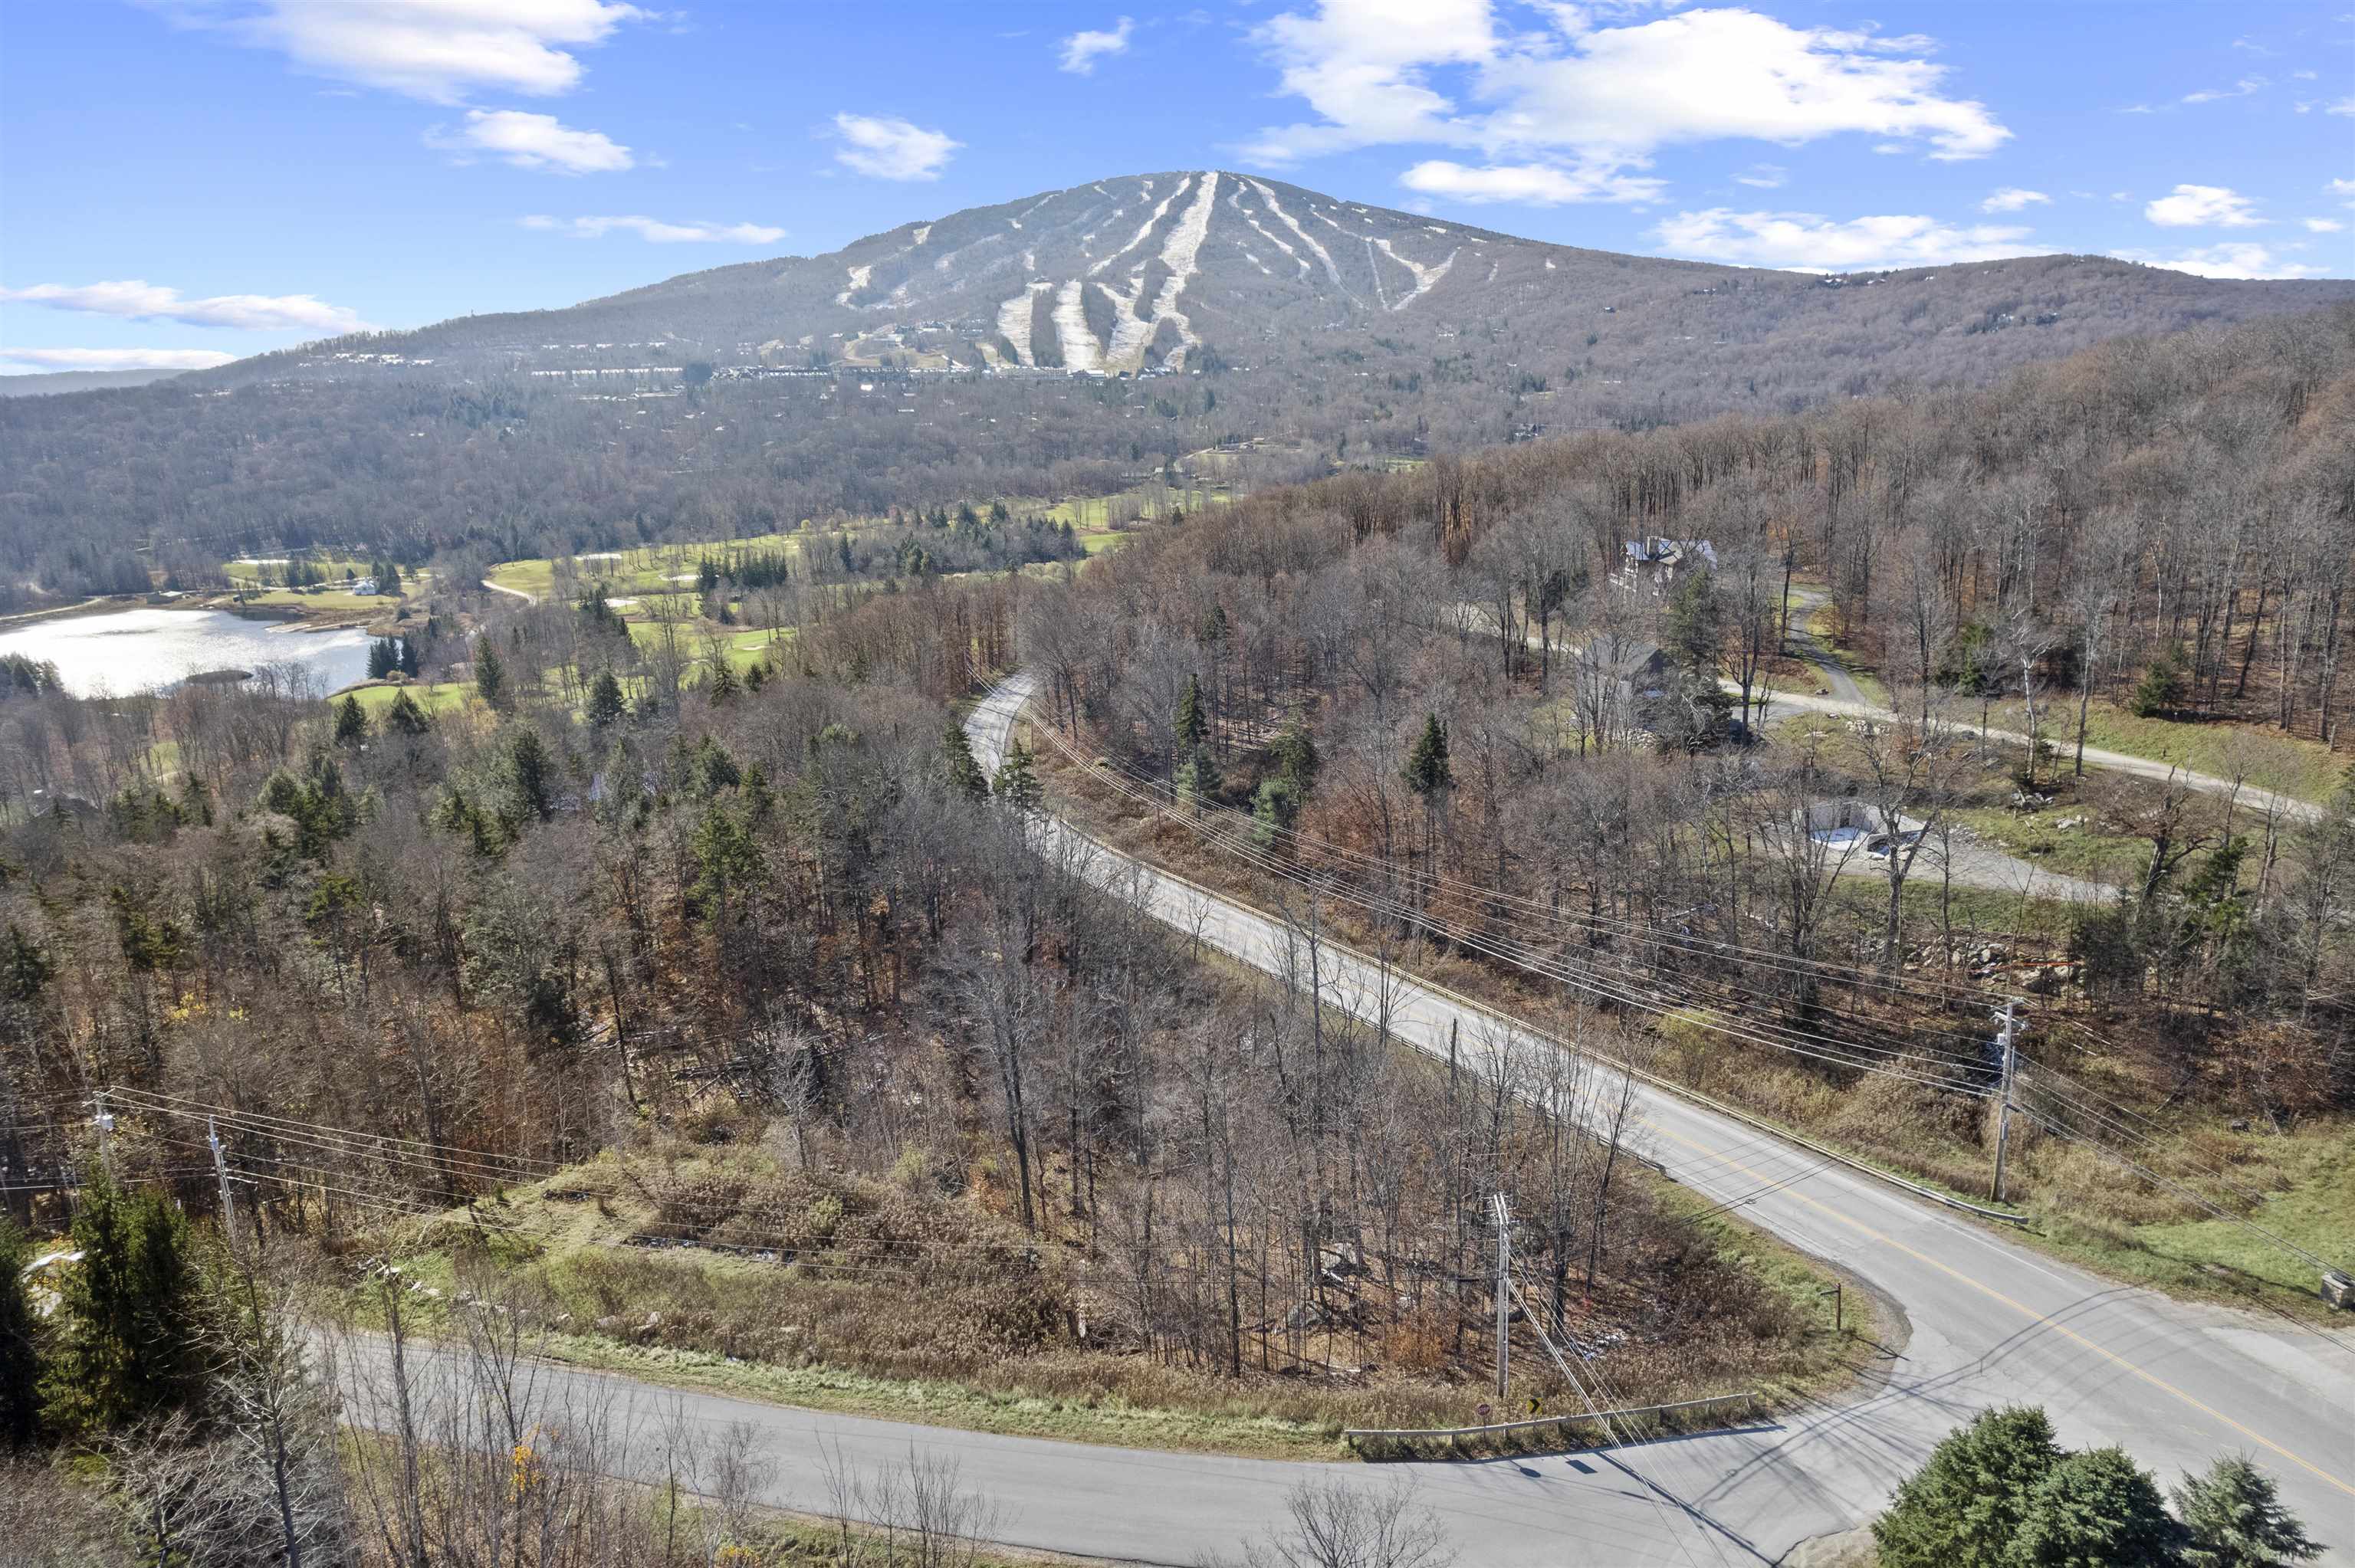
[1184, 271]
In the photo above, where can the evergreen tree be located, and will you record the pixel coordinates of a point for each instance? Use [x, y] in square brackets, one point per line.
[1297, 760]
[2095, 1509]
[1428, 772]
[958, 769]
[405, 718]
[1693, 630]
[387, 578]
[2232, 1518]
[20, 1344]
[1190, 725]
[1017, 782]
[409, 656]
[1198, 778]
[604, 700]
[351, 722]
[1962, 1508]
[490, 675]
[723, 686]
[129, 1315]
[531, 775]
[1276, 807]
[2163, 686]
[383, 659]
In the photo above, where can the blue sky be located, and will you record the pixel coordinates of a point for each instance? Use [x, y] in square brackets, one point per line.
[191, 180]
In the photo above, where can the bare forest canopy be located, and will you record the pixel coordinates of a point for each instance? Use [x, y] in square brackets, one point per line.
[1427, 684]
[1216, 308]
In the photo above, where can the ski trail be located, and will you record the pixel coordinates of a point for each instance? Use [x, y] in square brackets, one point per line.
[1234, 199]
[1316, 250]
[1381, 295]
[1143, 228]
[1254, 259]
[1082, 352]
[1179, 252]
[859, 276]
[923, 232]
[1014, 321]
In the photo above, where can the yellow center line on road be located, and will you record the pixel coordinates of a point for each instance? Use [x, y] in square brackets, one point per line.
[2023, 1309]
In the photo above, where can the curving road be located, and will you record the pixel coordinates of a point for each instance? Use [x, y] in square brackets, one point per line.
[1991, 1321]
[1988, 1322]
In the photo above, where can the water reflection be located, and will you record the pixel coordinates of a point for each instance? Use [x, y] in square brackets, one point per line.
[130, 651]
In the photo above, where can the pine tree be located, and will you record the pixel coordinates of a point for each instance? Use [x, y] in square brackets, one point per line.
[490, 675]
[1190, 725]
[2163, 686]
[351, 722]
[1428, 772]
[383, 659]
[1198, 778]
[20, 1345]
[1274, 809]
[1017, 782]
[1694, 626]
[1297, 760]
[604, 700]
[409, 657]
[2232, 1518]
[723, 686]
[532, 774]
[1962, 1508]
[405, 718]
[129, 1313]
[2094, 1509]
[958, 769]
[387, 578]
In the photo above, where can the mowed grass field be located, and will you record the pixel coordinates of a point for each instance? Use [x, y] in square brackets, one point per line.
[665, 568]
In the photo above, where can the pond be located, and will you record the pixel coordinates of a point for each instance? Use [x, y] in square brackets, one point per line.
[128, 650]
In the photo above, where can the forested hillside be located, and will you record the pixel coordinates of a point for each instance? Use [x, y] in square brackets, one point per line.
[1425, 694]
[1070, 343]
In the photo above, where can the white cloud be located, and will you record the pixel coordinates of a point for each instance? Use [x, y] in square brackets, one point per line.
[1810, 240]
[1597, 99]
[891, 149]
[1538, 185]
[2012, 198]
[1765, 177]
[1083, 49]
[115, 358]
[658, 232]
[533, 142]
[2240, 88]
[135, 299]
[2193, 207]
[2239, 260]
[439, 50]
[2344, 106]
[2324, 224]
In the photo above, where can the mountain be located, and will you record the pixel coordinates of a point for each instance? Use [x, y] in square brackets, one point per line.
[1082, 342]
[1187, 270]
[44, 382]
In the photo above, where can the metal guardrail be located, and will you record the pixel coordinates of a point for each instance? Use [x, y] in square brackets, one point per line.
[1747, 1401]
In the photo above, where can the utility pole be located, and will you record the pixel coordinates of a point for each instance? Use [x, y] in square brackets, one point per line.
[2007, 1027]
[1504, 1293]
[220, 1170]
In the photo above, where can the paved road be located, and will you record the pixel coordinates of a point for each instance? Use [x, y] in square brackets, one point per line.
[1788, 703]
[511, 593]
[1991, 1321]
[1988, 1321]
